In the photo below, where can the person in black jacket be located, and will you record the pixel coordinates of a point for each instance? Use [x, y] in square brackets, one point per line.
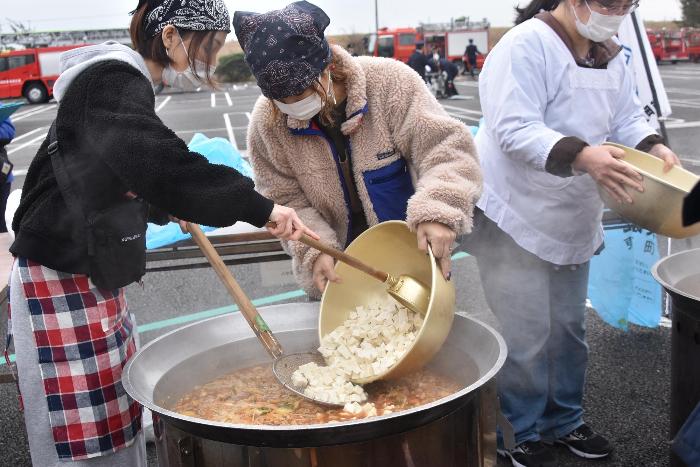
[114, 148]
[418, 60]
[471, 54]
[452, 71]
[691, 207]
[7, 134]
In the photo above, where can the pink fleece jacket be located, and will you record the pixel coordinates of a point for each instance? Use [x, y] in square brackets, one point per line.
[391, 114]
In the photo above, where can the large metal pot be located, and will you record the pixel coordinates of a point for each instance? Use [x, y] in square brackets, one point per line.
[680, 275]
[461, 426]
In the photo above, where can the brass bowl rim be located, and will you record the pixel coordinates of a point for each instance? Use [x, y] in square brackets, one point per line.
[651, 175]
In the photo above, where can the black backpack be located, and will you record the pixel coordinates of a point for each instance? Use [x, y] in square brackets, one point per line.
[116, 236]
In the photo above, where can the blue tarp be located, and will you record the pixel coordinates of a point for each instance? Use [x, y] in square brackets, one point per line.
[621, 287]
[217, 151]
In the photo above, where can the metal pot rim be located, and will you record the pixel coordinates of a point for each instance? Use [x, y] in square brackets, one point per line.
[131, 390]
[657, 274]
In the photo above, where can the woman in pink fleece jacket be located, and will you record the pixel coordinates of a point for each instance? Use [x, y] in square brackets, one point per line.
[351, 142]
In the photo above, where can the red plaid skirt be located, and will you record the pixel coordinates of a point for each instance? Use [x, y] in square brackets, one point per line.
[84, 339]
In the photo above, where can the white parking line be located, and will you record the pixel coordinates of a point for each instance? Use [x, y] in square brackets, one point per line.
[228, 99]
[22, 146]
[26, 135]
[463, 117]
[462, 110]
[229, 130]
[32, 113]
[680, 125]
[247, 114]
[467, 84]
[25, 112]
[680, 77]
[20, 172]
[688, 92]
[163, 104]
[213, 100]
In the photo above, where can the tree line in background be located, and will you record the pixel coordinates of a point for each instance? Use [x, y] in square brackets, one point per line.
[691, 12]
[233, 69]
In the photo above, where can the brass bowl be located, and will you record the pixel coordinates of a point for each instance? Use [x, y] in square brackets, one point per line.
[393, 248]
[660, 208]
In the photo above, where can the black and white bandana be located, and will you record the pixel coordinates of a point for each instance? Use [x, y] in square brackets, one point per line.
[191, 15]
[286, 49]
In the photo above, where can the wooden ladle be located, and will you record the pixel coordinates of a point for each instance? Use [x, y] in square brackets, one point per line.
[284, 365]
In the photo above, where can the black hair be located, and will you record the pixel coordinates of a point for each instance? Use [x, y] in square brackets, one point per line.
[533, 8]
[152, 48]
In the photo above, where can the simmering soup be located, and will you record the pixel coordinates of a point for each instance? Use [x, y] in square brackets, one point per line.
[254, 396]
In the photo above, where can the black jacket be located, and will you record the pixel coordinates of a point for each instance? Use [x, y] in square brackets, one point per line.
[418, 61]
[107, 121]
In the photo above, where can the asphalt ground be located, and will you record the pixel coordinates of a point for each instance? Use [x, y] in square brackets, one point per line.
[627, 391]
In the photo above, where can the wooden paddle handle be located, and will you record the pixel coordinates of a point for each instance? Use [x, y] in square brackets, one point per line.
[344, 257]
[256, 322]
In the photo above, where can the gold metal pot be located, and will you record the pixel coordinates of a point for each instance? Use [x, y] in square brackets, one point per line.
[660, 207]
[393, 248]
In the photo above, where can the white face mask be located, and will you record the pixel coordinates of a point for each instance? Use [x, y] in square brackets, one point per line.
[308, 107]
[190, 79]
[305, 109]
[600, 27]
[436, 57]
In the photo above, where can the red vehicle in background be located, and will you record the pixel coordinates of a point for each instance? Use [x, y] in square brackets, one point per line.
[669, 46]
[692, 40]
[656, 39]
[450, 39]
[30, 73]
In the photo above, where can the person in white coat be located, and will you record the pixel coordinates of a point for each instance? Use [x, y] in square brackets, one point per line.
[553, 90]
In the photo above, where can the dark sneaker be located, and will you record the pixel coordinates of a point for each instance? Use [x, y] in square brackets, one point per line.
[586, 443]
[530, 454]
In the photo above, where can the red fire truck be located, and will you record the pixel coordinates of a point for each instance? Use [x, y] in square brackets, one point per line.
[450, 39]
[656, 39]
[669, 46]
[30, 73]
[692, 40]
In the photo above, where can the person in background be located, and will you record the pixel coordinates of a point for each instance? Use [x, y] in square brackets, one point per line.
[470, 55]
[109, 158]
[553, 90]
[418, 60]
[351, 50]
[691, 207]
[351, 142]
[451, 70]
[7, 134]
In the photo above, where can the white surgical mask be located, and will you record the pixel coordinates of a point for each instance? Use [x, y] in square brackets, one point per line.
[190, 79]
[305, 109]
[600, 27]
[310, 106]
[436, 57]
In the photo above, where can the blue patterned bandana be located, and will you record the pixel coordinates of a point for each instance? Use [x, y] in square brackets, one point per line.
[190, 15]
[286, 49]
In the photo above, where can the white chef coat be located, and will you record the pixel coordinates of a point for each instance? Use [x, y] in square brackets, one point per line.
[532, 95]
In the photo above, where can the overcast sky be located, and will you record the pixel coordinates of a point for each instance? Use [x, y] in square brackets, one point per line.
[347, 16]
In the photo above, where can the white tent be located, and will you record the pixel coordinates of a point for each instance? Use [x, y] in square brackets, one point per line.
[640, 57]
